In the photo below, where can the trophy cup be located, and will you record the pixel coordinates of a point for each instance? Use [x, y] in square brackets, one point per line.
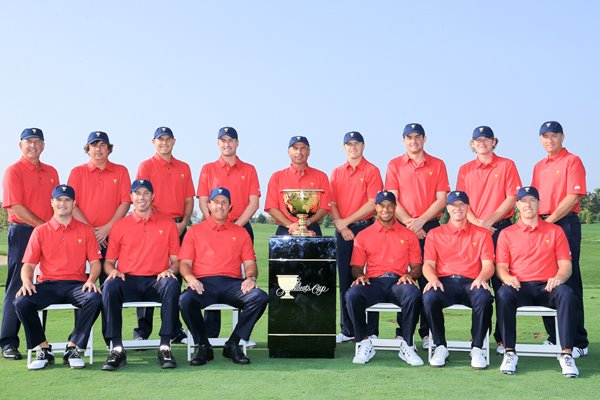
[287, 283]
[302, 204]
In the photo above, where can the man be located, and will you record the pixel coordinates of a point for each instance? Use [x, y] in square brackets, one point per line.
[26, 187]
[102, 189]
[492, 183]
[560, 178]
[354, 186]
[458, 262]
[297, 176]
[420, 183]
[211, 255]
[61, 246]
[146, 245]
[382, 255]
[242, 181]
[174, 197]
[533, 262]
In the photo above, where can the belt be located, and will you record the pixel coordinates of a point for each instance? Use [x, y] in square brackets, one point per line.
[21, 224]
[177, 219]
[571, 214]
[455, 276]
[389, 275]
[361, 222]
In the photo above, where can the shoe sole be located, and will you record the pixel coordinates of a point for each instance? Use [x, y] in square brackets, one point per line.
[168, 365]
[111, 368]
[508, 372]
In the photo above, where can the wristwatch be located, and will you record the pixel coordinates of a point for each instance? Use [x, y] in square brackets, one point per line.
[252, 278]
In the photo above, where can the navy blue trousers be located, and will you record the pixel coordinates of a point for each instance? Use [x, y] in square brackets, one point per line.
[58, 292]
[18, 237]
[562, 298]
[343, 250]
[457, 291]
[222, 290]
[572, 227]
[115, 292]
[500, 225]
[359, 298]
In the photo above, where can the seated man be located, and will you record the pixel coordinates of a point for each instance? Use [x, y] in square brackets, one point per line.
[145, 244]
[459, 261]
[380, 264]
[533, 263]
[210, 257]
[61, 246]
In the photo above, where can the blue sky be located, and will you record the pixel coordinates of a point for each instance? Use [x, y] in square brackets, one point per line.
[273, 69]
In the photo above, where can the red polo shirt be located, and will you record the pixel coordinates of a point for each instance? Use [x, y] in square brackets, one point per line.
[100, 192]
[217, 250]
[353, 187]
[172, 182]
[292, 178]
[488, 185]
[62, 250]
[557, 176]
[384, 249]
[240, 179]
[143, 246]
[30, 186]
[459, 251]
[532, 254]
[416, 184]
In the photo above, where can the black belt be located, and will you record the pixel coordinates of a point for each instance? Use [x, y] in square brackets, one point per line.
[455, 276]
[571, 214]
[361, 222]
[389, 275]
[21, 224]
[177, 219]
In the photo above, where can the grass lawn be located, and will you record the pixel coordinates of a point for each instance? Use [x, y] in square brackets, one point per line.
[384, 377]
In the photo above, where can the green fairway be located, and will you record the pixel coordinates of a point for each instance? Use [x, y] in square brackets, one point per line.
[385, 377]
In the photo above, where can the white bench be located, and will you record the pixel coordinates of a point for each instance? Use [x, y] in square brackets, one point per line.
[461, 345]
[58, 347]
[539, 350]
[219, 342]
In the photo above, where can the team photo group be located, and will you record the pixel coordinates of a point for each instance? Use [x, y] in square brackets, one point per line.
[75, 241]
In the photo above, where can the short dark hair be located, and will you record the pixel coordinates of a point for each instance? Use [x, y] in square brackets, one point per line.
[86, 148]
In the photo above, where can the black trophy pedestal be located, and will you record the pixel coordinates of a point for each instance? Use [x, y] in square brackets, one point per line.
[302, 297]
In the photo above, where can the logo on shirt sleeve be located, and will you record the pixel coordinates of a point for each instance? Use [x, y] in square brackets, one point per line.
[52, 180]
[576, 187]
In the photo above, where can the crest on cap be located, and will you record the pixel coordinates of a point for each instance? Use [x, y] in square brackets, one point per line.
[457, 193]
[481, 129]
[141, 181]
[163, 129]
[351, 134]
[97, 134]
[33, 130]
[297, 137]
[527, 189]
[220, 190]
[64, 188]
[413, 126]
[548, 124]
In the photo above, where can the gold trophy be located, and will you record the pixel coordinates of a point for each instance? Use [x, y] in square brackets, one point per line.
[302, 204]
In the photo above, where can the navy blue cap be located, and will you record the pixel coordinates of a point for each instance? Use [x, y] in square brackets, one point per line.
[296, 139]
[413, 128]
[385, 195]
[457, 195]
[32, 133]
[98, 136]
[528, 191]
[63, 190]
[551, 126]
[220, 191]
[353, 136]
[227, 131]
[141, 183]
[483, 131]
[163, 130]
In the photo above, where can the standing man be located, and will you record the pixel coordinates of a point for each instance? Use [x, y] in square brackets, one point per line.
[241, 180]
[458, 262]
[26, 188]
[420, 183]
[354, 186]
[560, 178]
[380, 263]
[174, 197]
[297, 176]
[102, 189]
[210, 257]
[61, 246]
[492, 183]
[145, 244]
[533, 263]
